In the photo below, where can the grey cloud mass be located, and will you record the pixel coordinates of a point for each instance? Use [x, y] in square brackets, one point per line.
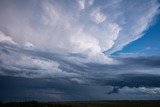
[59, 77]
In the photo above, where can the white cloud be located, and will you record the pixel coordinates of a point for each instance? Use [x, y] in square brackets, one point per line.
[83, 43]
[51, 15]
[4, 38]
[138, 18]
[81, 4]
[79, 81]
[84, 4]
[52, 26]
[28, 45]
[90, 2]
[141, 90]
[97, 17]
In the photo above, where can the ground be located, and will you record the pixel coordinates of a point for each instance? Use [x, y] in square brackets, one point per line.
[84, 104]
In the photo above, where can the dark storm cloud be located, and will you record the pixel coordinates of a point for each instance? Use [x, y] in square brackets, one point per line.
[114, 90]
[133, 80]
[152, 61]
[128, 63]
[52, 89]
[93, 81]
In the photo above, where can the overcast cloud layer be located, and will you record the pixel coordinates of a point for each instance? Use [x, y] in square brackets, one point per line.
[62, 49]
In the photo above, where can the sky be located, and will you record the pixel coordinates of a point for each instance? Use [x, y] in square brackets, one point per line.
[79, 50]
[148, 45]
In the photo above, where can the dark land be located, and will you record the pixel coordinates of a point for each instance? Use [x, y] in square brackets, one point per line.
[83, 104]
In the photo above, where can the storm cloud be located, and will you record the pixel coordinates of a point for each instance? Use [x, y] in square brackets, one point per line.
[63, 49]
[60, 75]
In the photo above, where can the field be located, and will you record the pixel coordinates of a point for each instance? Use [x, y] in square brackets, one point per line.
[84, 104]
